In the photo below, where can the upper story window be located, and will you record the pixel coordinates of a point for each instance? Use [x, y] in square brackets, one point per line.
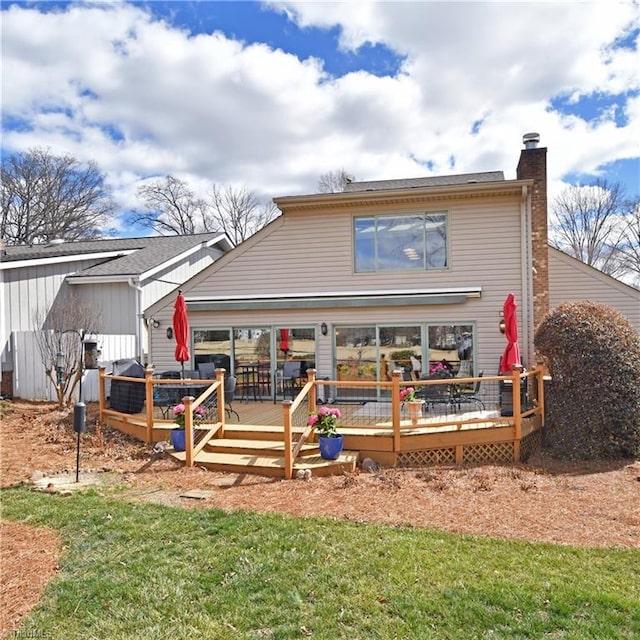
[400, 243]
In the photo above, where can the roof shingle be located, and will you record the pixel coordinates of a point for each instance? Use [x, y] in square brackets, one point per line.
[138, 254]
[433, 181]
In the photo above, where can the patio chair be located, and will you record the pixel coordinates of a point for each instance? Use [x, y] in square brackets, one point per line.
[434, 394]
[163, 398]
[211, 404]
[229, 394]
[207, 370]
[468, 396]
[291, 378]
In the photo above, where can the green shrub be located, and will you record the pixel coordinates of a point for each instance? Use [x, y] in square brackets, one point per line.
[593, 401]
[403, 354]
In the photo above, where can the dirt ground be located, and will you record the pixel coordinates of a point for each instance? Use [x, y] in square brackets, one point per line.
[584, 504]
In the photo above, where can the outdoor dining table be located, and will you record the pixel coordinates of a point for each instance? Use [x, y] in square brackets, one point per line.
[250, 378]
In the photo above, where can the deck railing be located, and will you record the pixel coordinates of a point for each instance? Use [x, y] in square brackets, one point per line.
[387, 409]
[195, 438]
[292, 412]
[504, 393]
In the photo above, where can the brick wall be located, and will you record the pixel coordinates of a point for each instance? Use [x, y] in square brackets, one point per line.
[533, 165]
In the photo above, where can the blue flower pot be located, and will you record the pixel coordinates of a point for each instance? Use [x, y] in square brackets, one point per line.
[330, 448]
[177, 439]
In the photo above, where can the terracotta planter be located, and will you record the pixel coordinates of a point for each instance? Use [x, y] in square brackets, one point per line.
[414, 410]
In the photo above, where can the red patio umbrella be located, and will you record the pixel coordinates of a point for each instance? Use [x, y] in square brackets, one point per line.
[511, 355]
[284, 340]
[181, 330]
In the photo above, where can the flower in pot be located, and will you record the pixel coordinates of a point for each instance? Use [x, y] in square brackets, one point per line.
[177, 433]
[325, 422]
[441, 369]
[408, 394]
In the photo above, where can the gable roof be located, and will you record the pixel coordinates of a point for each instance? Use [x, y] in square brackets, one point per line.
[120, 256]
[594, 272]
[433, 181]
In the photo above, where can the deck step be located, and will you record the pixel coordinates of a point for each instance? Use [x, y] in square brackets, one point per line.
[272, 466]
[256, 447]
[272, 432]
[256, 431]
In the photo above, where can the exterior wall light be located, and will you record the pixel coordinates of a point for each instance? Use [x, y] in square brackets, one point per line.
[324, 329]
[502, 326]
[170, 333]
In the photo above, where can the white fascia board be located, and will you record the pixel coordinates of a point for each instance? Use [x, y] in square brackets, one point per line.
[102, 279]
[182, 256]
[76, 257]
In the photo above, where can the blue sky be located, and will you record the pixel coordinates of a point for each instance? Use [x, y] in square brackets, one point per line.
[272, 95]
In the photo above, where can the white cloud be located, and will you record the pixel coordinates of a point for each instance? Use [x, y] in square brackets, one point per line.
[209, 108]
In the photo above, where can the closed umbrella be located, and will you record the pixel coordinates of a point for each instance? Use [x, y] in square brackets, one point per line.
[284, 340]
[511, 355]
[181, 330]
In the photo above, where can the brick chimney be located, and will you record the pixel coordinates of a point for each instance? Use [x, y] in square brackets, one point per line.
[533, 165]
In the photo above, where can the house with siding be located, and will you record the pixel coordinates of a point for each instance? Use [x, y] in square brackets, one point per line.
[572, 279]
[381, 276]
[119, 278]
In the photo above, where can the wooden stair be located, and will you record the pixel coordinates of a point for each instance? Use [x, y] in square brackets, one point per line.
[259, 450]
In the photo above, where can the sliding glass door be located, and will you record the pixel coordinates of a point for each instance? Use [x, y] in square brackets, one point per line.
[257, 355]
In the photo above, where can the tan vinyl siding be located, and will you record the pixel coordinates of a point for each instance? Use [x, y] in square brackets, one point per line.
[571, 279]
[489, 341]
[311, 252]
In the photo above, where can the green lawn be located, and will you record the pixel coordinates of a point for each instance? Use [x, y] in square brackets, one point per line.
[148, 571]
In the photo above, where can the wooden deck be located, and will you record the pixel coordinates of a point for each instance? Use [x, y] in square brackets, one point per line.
[379, 430]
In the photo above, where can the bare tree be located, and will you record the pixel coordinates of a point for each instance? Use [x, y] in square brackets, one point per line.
[45, 197]
[59, 335]
[239, 212]
[172, 208]
[334, 181]
[587, 223]
[630, 245]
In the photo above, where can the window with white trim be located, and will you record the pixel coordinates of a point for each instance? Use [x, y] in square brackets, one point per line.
[414, 242]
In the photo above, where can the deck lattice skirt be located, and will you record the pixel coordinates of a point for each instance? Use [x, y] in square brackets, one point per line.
[494, 452]
[428, 458]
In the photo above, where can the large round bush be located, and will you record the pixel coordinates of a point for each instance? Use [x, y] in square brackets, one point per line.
[593, 401]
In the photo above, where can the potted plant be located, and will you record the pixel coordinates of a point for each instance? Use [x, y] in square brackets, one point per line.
[177, 433]
[414, 404]
[440, 370]
[325, 422]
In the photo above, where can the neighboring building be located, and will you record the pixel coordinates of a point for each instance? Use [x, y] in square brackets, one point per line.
[572, 279]
[121, 278]
[353, 283]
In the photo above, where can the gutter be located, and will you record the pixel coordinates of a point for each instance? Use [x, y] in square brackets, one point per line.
[20, 263]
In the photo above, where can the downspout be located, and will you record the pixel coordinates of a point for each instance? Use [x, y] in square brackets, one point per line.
[134, 283]
[525, 270]
[2, 317]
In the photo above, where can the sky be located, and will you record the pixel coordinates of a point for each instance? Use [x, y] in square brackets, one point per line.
[269, 96]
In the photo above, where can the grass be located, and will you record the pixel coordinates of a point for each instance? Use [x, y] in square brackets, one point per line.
[153, 572]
